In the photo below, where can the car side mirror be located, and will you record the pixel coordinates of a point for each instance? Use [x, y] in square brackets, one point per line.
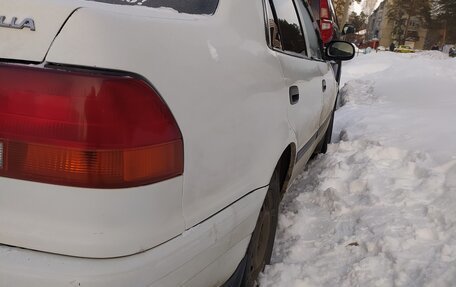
[339, 51]
[348, 29]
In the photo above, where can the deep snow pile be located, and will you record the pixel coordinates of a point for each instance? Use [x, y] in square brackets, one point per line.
[379, 209]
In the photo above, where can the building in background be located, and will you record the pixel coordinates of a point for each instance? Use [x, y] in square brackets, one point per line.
[374, 22]
[380, 28]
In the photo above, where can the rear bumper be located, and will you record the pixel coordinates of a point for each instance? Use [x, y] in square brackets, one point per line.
[206, 255]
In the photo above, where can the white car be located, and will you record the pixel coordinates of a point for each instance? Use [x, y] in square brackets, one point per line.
[145, 146]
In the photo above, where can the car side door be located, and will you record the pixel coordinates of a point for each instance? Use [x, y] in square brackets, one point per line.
[329, 84]
[302, 75]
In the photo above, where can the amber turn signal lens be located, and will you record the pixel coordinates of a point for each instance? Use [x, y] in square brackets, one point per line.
[97, 168]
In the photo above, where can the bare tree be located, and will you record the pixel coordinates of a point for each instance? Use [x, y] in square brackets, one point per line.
[401, 13]
[342, 8]
[358, 21]
[445, 15]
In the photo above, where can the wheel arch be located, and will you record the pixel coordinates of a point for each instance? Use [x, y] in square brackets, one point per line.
[285, 165]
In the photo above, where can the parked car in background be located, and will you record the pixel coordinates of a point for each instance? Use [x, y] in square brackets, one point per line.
[446, 48]
[452, 52]
[152, 147]
[325, 15]
[404, 49]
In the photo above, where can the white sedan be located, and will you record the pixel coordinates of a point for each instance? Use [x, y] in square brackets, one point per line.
[148, 146]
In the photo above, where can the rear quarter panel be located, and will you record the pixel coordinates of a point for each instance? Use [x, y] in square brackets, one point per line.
[217, 75]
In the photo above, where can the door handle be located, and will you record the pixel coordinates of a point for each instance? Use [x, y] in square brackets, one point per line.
[294, 95]
[323, 85]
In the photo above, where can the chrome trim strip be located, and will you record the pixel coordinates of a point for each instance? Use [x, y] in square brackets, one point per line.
[306, 147]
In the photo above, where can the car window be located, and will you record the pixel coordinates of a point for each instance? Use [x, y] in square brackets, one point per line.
[272, 28]
[290, 28]
[189, 6]
[311, 31]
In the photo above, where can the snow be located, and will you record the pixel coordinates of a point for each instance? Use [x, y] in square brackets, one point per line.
[379, 209]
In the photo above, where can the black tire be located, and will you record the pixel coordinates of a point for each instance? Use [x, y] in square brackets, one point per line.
[259, 252]
[322, 146]
[328, 134]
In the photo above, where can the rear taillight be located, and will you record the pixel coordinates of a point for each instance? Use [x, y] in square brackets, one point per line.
[324, 10]
[326, 31]
[324, 14]
[85, 129]
[326, 25]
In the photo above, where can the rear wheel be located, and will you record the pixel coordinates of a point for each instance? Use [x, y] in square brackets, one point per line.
[322, 146]
[262, 240]
[327, 137]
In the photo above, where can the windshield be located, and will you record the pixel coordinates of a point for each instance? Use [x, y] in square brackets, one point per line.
[206, 7]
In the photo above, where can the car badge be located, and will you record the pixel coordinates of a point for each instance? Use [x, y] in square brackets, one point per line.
[15, 24]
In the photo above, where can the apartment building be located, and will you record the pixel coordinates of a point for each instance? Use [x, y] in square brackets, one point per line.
[381, 28]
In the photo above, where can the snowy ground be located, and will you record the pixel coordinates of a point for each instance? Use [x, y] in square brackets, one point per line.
[379, 209]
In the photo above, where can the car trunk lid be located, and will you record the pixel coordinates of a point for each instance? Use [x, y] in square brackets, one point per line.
[28, 28]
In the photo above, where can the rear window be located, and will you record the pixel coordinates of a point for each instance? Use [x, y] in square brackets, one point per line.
[206, 7]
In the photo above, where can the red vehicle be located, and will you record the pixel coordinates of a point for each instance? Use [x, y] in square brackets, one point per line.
[325, 15]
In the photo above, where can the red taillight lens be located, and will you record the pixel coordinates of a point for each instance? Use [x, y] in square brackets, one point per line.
[326, 31]
[85, 129]
[324, 9]
[324, 14]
